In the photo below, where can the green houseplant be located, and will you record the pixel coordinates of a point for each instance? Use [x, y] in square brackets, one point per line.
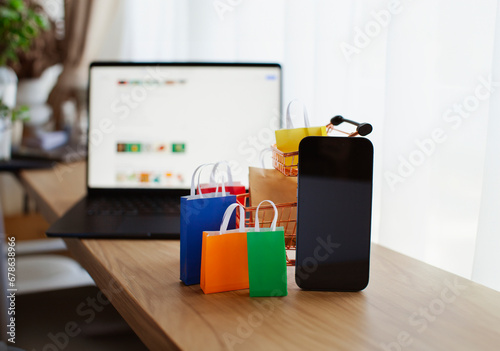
[13, 114]
[20, 24]
[8, 116]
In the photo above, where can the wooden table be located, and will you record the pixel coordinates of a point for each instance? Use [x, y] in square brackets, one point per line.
[407, 305]
[15, 166]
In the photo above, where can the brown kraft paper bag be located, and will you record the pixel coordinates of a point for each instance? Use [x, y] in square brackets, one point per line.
[271, 184]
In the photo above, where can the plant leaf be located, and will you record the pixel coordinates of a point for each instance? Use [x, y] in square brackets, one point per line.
[17, 4]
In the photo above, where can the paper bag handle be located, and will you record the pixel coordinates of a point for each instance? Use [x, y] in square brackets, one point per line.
[275, 219]
[227, 217]
[262, 153]
[289, 123]
[214, 171]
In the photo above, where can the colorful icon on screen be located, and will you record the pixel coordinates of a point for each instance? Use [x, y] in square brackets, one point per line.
[144, 178]
[160, 147]
[132, 177]
[178, 147]
[120, 177]
[134, 147]
[121, 147]
[146, 147]
[149, 147]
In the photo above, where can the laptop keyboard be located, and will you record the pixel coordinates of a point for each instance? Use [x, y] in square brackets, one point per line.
[123, 206]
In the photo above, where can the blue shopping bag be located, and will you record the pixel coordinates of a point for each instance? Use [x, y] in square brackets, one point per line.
[199, 213]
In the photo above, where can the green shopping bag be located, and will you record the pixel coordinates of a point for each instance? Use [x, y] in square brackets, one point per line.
[266, 258]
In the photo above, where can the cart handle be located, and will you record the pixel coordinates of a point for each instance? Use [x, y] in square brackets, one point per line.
[362, 128]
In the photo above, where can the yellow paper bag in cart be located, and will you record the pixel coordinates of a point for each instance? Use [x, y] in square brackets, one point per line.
[287, 140]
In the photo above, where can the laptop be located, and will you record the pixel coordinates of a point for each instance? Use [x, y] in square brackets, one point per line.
[151, 125]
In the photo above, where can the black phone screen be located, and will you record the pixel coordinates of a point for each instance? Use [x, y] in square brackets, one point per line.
[334, 213]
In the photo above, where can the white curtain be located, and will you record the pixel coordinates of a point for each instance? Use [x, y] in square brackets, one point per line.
[486, 257]
[418, 71]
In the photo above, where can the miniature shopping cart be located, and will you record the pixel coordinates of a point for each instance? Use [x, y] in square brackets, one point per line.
[287, 218]
[288, 162]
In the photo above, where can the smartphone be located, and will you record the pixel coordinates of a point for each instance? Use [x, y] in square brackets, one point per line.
[334, 210]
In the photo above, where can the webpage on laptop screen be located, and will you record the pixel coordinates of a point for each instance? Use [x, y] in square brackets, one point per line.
[151, 126]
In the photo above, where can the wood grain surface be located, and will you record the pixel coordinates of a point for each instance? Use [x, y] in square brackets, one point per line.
[56, 189]
[408, 305]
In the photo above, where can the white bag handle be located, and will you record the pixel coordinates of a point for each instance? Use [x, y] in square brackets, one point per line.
[216, 189]
[262, 153]
[227, 217]
[223, 187]
[214, 171]
[289, 123]
[198, 171]
[275, 219]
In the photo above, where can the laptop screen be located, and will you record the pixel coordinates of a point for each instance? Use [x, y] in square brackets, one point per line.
[151, 125]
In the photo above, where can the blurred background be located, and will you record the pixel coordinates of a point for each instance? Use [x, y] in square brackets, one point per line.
[425, 74]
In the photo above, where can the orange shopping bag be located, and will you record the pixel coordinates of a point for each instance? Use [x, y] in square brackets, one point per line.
[224, 259]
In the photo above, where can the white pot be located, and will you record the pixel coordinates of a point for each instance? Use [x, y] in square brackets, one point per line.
[35, 91]
[5, 143]
[8, 86]
[16, 136]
